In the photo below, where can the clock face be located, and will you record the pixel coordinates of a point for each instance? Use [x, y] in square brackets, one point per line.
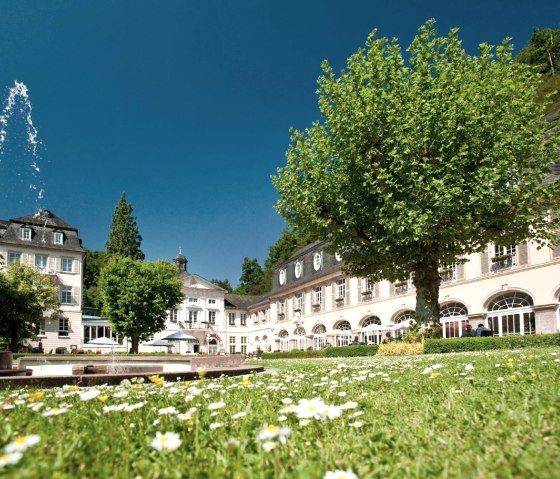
[317, 260]
[338, 257]
[298, 270]
[282, 277]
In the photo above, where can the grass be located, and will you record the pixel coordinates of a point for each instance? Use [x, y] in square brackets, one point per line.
[464, 415]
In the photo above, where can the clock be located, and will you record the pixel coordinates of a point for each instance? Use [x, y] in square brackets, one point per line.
[338, 257]
[317, 261]
[282, 277]
[298, 269]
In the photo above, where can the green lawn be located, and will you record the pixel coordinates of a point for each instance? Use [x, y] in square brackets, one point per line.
[483, 415]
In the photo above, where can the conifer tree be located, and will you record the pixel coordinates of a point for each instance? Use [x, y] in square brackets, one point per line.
[124, 238]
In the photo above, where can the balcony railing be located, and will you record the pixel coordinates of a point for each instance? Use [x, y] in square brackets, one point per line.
[502, 262]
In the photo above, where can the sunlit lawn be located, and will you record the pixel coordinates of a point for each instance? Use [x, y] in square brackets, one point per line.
[463, 415]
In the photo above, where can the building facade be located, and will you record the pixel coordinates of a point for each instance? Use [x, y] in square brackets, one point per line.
[50, 246]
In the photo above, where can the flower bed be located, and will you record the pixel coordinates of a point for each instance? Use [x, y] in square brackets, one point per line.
[490, 412]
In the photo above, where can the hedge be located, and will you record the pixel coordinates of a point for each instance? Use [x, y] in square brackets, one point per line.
[296, 353]
[456, 345]
[351, 351]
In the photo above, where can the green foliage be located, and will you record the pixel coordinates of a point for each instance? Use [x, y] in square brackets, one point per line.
[296, 353]
[223, 283]
[124, 238]
[137, 296]
[421, 162]
[351, 351]
[454, 345]
[543, 50]
[26, 298]
[94, 262]
[250, 281]
[543, 53]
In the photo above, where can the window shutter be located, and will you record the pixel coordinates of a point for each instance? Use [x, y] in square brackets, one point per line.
[360, 288]
[76, 297]
[484, 261]
[30, 259]
[57, 264]
[334, 294]
[376, 290]
[522, 254]
[392, 289]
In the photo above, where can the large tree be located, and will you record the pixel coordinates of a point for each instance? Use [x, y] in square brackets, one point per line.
[27, 297]
[93, 264]
[250, 281]
[137, 296]
[421, 160]
[124, 238]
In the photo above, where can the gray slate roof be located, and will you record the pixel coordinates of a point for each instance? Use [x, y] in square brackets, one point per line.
[42, 225]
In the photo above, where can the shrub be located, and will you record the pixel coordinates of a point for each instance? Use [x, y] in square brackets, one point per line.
[399, 348]
[455, 345]
[351, 351]
[296, 353]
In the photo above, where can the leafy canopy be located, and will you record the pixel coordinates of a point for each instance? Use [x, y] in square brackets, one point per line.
[27, 297]
[421, 161]
[124, 238]
[138, 295]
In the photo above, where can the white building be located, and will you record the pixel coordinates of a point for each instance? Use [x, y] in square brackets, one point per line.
[51, 246]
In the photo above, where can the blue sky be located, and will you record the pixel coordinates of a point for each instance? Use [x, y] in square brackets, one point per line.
[186, 106]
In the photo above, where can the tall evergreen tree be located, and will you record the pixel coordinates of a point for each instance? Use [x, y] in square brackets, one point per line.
[124, 238]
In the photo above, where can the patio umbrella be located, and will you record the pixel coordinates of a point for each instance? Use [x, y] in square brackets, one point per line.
[158, 342]
[103, 341]
[180, 336]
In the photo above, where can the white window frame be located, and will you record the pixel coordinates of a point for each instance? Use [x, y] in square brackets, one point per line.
[231, 319]
[299, 301]
[66, 295]
[193, 316]
[64, 265]
[173, 315]
[41, 262]
[211, 317]
[318, 296]
[243, 319]
[58, 238]
[26, 234]
[42, 327]
[14, 257]
[63, 327]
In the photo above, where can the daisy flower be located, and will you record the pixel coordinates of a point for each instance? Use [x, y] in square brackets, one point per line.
[338, 474]
[11, 458]
[21, 443]
[168, 441]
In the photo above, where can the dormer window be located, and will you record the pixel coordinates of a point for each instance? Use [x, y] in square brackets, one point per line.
[58, 238]
[26, 234]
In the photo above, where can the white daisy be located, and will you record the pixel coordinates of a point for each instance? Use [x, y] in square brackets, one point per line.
[168, 441]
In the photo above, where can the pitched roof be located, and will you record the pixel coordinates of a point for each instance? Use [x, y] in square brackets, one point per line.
[240, 301]
[44, 218]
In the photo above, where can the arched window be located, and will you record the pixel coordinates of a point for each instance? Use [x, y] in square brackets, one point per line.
[283, 334]
[284, 343]
[344, 336]
[373, 336]
[319, 336]
[453, 319]
[299, 332]
[371, 320]
[404, 316]
[511, 313]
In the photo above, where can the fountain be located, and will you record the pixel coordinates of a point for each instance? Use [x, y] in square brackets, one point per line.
[20, 179]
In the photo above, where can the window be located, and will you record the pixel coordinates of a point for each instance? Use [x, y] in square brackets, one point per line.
[14, 257]
[42, 327]
[58, 238]
[173, 315]
[453, 319]
[41, 263]
[212, 317]
[231, 319]
[193, 316]
[244, 344]
[26, 234]
[63, 327]
[344, 338]
[67, 265]
[193, 300]
[282, 309]
[66, 294]
[232, 344]
[299, 302]
[243, 318]
[341, 287]
[511, 313]
[318, 293]
[505, 257]
[211, 301]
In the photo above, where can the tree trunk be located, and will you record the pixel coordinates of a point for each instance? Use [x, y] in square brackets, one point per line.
[427, 280]
[135, 341]
[14, 340]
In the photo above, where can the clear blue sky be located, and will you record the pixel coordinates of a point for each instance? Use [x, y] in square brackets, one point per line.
[186, 105]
